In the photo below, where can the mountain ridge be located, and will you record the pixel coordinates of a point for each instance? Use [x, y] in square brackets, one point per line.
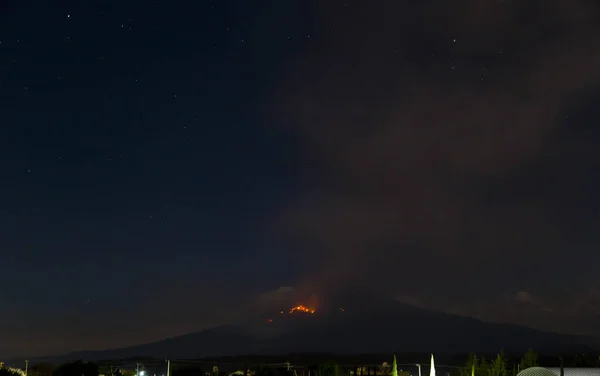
[374, 326]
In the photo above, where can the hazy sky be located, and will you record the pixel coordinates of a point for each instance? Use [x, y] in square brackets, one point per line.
[164, 165]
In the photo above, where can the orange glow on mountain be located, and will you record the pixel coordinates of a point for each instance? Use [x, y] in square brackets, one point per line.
[301, 308]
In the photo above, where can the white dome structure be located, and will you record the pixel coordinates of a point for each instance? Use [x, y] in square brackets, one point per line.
[555, 371]
[576, 371]
[536, 371]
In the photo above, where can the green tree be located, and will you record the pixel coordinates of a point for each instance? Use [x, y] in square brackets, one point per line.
[483, 369]
[475, 366]
[498, 366]
[529, 359]
[471, 366]
[329, 368]
[394, 367]
[8, 372]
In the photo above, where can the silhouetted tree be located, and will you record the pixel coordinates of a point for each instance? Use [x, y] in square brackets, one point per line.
[312, 369]
[265, 371]
[530, 359]
[124, 372]
[187, 371]
[78, 368]
[41, 369]
[8, 372]
[580, 360]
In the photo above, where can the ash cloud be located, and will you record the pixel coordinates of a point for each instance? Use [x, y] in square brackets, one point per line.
[443, 157]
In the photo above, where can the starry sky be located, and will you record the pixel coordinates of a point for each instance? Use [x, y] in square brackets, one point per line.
[170, 166]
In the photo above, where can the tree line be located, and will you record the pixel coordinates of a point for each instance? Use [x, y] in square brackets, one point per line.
[474, 366]
[498, 366]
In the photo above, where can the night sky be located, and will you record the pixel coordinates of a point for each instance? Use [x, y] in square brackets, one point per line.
[168, 166]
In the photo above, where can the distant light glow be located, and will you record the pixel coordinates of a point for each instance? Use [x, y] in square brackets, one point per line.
[302, 308]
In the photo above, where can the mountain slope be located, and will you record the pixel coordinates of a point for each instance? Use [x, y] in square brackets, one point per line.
[353, 325]
[369, 324]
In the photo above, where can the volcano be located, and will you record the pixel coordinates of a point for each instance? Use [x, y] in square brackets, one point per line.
[352, 325]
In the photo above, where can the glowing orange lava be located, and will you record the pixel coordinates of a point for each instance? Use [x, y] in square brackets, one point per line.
[301, 308]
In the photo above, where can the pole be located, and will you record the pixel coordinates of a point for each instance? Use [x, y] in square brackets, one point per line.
[26, 367]
[562, 367]
[419, 367]
[168, 367]
[137, 369]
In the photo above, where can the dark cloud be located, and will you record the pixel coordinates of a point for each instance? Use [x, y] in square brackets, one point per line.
[524, 296]
[281, 294]
[568, 310]
[452, 146]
